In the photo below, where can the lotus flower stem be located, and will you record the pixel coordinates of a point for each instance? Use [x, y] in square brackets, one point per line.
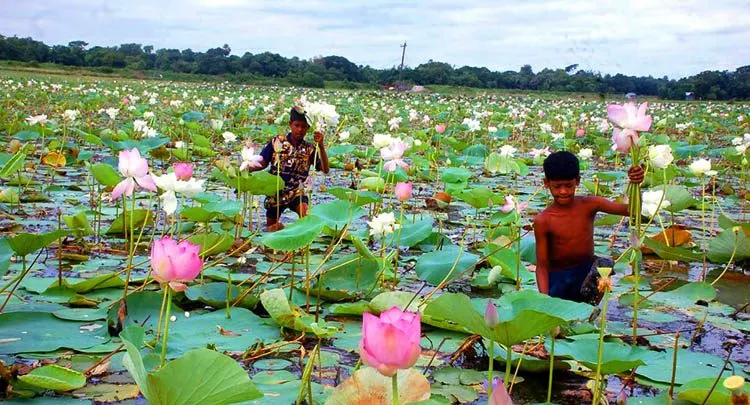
[398, 244]
[674, 365]
[291, 278]
[166, 326]
[508, 358]
[131, 246]
[551, 370]
[489, 369]
[597, 384]
[229, 295]
[307, 278]
[703, 226]
[394, 385]
[161, 314]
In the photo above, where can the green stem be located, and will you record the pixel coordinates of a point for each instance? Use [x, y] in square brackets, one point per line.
[597, 389]
[161, 314]
[508, 359]
[394, 385]
[166, 327]
[489, 370]
[398, 243]
[551, 369]
[229, 294]
[131, 248]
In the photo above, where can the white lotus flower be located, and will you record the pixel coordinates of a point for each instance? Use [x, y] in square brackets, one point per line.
[229, 137]
[660, 156]
[179, 144]
[394, 123]
[702, 167]
[190, 187]
[545, 127]
[140, 126]
[507, 151]
[148, 115]
[536, 153]
[381, 140]
[344, 136]
[369, 121]
[112, 112]
[652, 202]
[70, 115]
[384, 224]
[474, 125]
[217, 125]
[250, 159]
[321, 114]
[37, 119]
[585, 153]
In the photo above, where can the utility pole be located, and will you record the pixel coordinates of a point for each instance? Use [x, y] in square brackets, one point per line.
[401, 69]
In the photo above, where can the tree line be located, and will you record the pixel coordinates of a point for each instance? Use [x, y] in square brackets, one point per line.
[708, 85]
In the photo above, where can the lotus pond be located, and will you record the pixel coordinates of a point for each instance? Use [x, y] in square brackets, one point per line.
[276, 318]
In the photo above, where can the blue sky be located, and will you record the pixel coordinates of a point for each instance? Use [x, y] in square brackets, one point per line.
[676, 38]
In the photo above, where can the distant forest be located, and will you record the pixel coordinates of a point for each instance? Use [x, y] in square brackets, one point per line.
[708, 85]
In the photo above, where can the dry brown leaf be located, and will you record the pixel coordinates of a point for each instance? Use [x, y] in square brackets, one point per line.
[672, 236]
[54, 159]
[100, 369]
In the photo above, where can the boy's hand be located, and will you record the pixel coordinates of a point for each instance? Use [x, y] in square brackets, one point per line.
[318, 137]
[636, 174]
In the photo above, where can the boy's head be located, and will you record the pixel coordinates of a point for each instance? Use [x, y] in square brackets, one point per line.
[298, 123]
[562, 176]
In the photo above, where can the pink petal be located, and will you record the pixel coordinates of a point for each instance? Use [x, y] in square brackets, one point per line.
[390, 166]
[123, 162]
[124, 187]
[617, 114]
[499, 395]
[146, 182]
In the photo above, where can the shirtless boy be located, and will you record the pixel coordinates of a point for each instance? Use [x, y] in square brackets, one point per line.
[564, 231]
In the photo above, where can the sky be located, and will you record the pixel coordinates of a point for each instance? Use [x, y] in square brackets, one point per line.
[675, 38]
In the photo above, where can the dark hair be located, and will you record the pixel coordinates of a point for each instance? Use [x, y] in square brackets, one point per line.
[297, 113]
[561, 165]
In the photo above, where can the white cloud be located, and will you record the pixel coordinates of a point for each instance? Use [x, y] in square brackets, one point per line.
[641, 37]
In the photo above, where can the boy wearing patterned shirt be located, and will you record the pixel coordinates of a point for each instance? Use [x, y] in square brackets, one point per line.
[290, 157]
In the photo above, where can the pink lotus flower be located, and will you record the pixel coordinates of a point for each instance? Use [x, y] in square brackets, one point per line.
[491, 316]
[135, 170]
[391, 342]
[183, 171]
[174, 262]
[511, 204]
[541, 114]
[403, 191]
[623, 139]
[440, 128]
[580, 132]
[499, 394]
[392, 155]
[126, 100]
[628, 116]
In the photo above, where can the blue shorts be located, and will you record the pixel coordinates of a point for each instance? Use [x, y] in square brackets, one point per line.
[567, 283]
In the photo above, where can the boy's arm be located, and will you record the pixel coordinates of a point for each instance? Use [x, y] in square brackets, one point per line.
[321, 152]
[635, 175]
[266, 153]
[542, 254]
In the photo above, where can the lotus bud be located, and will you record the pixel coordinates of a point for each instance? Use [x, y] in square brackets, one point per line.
[491, 316]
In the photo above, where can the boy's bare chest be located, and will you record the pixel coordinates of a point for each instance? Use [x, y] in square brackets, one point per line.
[570, 226]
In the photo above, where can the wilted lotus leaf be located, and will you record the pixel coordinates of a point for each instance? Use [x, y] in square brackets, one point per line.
[368, 387]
